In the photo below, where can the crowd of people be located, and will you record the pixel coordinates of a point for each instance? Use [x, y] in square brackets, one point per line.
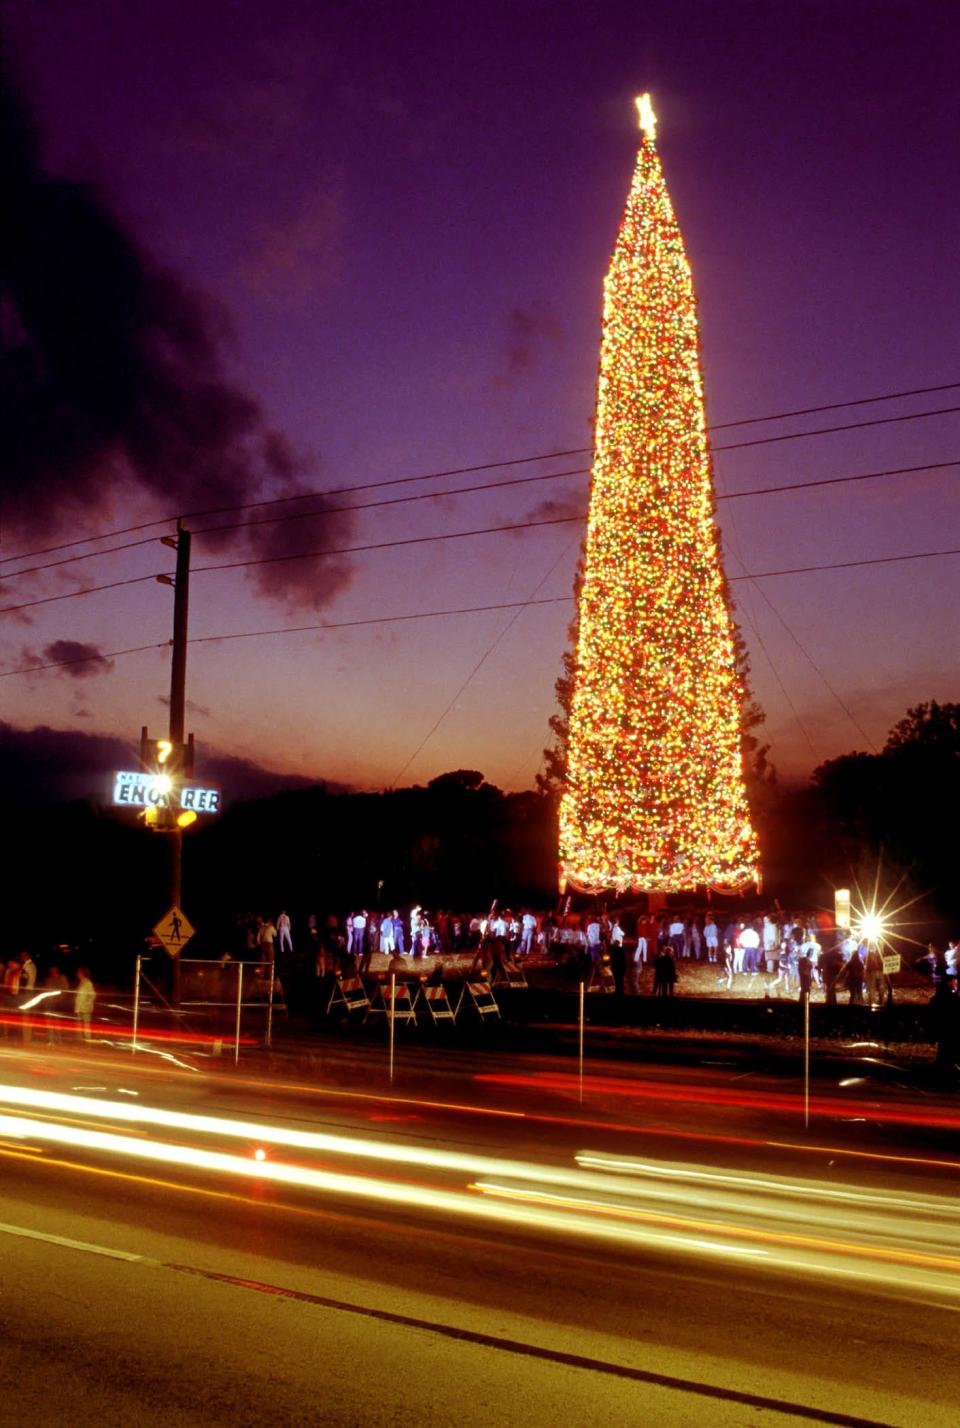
[771, 953]
[54, 1000]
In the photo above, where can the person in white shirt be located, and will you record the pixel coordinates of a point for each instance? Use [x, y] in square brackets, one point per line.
[711, 937]
[675, 933]
[810, 947]
[771, 941]
[749, 950]
[357, 927]
[528, 924]
[594, 939]
[283, 931]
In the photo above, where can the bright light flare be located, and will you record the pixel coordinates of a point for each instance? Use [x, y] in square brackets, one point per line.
[872, 927]
[646, 116]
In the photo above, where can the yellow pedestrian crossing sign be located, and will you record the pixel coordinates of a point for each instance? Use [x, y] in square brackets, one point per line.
[174, 931]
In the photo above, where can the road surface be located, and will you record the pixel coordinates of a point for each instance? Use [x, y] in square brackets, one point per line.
[455, 1250]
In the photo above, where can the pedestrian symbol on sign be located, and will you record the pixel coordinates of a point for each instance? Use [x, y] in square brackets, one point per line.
[174, 931]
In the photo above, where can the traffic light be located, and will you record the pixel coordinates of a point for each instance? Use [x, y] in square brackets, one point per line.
[165, 759]
[166, 764]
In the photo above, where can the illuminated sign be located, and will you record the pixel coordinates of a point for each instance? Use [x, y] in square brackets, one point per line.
[143, 790]
[841, 907]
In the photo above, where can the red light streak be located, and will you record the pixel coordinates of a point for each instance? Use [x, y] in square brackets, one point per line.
[786, 1101]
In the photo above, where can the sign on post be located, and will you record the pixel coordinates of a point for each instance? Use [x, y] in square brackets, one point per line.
[841, 907]
[147, 790]
[174, 931]
[891, 963]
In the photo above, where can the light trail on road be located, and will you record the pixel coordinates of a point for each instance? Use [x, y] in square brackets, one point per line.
[896, 1242]
[782, 1101]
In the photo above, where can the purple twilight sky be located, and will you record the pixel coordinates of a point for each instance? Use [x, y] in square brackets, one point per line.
[367, 241]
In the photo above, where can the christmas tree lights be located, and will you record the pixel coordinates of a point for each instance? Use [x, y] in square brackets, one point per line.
[654, 795]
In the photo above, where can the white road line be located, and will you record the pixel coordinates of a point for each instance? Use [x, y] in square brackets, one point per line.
[73, 1244]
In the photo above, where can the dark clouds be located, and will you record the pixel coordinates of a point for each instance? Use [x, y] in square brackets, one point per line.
[529, 330]
[48, 765]
[115, 377]
[77, 660]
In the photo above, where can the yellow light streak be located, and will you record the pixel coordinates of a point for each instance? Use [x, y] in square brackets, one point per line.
[915, 1258]
[571, 1209]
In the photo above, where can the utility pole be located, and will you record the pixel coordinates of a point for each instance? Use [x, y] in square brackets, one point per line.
[178, 701]
[178, 685]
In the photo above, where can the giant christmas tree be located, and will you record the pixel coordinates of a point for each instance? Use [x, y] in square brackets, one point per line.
[654, 795]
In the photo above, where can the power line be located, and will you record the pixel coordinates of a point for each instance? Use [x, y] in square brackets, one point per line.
[844, 564]
[304, 555]
[478, 666]
[811, 661]
[836, 406]
[84, 659]
[287, 630]
[480, 489]
[307, 515]
[391, 544]
[91, 590]
[826, 430]
[836, 480]
[467, 610]
[394, 544]
[514, 461]
[735, 543]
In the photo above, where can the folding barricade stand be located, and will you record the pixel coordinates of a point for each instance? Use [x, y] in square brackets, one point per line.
[509, 977]
[348, 992]
[482, 1000]
[601, 978]
[403, 1002]
[437, 1002]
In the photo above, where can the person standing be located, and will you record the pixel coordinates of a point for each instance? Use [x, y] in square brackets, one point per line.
[83, 1001]
[805, 975]
[358, 927]
[54, 981]
[398, 932]
[853, 978]
[28, 972]
[11, 987]
[594, 941]
[664, 973]
[831, 965]
[750, 945]
[388, 939]
[528, 924]
[711, 938]
[618, 963]
[636, 955]
[28, 980]
[283, 932]
[266, 937]
[873, 968]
